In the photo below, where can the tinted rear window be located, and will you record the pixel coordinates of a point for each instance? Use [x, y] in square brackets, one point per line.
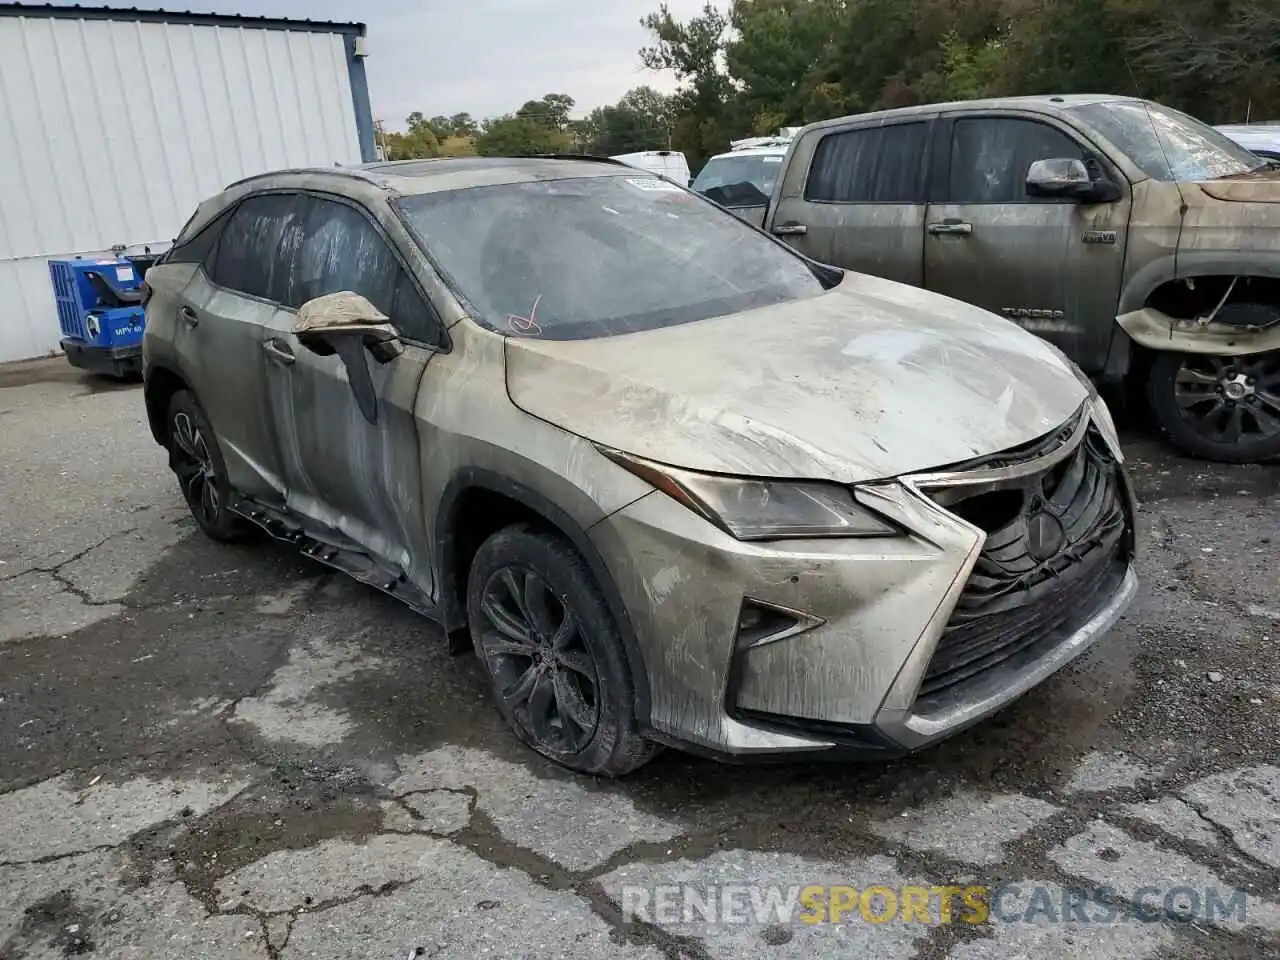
[870, 165]
[591, 257]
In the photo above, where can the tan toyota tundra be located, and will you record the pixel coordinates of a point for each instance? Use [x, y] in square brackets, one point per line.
[1142, 242]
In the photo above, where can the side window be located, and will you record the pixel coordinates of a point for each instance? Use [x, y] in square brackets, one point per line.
[338, 248]
[411, 314]
[871, 165]
[197, 248]
[248, 250]
[990, 157]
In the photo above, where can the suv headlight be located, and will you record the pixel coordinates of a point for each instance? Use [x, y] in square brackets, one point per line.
[1106, 426]
[752, 509]
[1099, 412]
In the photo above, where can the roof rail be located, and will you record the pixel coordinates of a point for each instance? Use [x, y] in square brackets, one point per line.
[751, 142]
[574, 156]
[337, 170]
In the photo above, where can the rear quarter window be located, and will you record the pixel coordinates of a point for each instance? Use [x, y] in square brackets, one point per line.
[198, 246]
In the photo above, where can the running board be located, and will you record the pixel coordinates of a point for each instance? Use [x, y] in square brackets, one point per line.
[334, 550]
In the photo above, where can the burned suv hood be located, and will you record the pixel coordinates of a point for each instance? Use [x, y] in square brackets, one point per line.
[869, 380]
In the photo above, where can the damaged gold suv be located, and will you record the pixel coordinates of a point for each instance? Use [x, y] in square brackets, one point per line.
[677, 483]
[1142, 242]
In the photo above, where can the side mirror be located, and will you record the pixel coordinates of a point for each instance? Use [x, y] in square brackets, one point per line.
[325, 322]
[349, 325]
[379, 339]
[1068, 178]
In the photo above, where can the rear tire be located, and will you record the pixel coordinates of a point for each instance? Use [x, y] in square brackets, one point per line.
[196, 459]
[1190, 397]
[549, 645]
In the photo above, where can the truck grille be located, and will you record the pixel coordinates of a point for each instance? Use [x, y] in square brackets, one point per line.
[1054, 554]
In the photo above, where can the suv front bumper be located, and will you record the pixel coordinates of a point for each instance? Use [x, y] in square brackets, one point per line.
[879, 646]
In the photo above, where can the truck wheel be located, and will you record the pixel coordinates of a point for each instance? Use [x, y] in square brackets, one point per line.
[555, 660]
[1219, 408]
[196, 459]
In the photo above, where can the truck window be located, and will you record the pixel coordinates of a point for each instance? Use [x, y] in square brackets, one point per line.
[990, 157]
[870, 165]
[1165, 144]
[742, 180]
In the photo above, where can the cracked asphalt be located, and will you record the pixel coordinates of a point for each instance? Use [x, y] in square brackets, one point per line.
[211, 751]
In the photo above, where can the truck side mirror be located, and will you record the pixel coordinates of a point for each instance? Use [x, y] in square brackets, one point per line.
[1068, 177]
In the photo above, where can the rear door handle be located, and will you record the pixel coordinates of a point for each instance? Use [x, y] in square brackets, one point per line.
[951, 227]
[189, 316]
[278, 352]
[790, 230]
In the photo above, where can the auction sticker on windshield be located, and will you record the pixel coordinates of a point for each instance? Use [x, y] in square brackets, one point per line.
[653, 185]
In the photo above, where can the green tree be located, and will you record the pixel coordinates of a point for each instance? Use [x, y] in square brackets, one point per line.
[420, 140]
[638, 121]
[705, 105]
[1218, 59]
[551, 111]
[783, 60]
[514, 136]
[461, 125]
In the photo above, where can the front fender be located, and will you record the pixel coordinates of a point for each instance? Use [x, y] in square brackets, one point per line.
[1155, 274]
[1156, 330]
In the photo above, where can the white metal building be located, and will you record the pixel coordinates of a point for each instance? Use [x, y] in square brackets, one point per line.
[115, 123]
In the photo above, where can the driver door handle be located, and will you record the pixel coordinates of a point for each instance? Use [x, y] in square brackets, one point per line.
[951, 227]
[278, 351]
[790, 230]
[189, 316]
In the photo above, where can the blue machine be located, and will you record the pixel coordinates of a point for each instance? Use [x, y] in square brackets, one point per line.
[100, 312]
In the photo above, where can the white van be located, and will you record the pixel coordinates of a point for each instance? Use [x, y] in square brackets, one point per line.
[666, 163]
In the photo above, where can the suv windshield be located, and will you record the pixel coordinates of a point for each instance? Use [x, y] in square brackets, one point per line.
[740, 180]
[590, 257]
[1165, 144]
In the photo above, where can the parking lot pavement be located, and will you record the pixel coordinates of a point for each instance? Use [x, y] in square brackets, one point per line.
[211, 751]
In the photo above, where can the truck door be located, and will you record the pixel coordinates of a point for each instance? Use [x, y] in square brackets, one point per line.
[1053, 266]
[855, 199]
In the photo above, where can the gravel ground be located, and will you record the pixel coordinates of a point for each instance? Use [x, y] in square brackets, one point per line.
[211, 751]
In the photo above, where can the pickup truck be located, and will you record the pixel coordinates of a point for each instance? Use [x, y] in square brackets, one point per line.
[1140, 241]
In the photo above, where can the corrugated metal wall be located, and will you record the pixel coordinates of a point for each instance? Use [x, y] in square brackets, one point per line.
[111, 131]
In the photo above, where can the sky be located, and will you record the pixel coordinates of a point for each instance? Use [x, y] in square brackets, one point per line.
[483, 57]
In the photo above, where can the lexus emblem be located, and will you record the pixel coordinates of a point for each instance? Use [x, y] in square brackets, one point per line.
[1045, 536]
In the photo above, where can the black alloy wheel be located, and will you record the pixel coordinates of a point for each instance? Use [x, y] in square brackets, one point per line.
[1219, 408]
[553, 653]
[534, 649]
[196, 460]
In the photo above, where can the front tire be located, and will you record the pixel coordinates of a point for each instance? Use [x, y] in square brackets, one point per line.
[194, 456]
[552, 652]
[1225, 409]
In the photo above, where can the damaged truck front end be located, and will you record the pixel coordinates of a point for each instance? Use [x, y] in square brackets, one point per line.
[1198, 311]
[1208, 331]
